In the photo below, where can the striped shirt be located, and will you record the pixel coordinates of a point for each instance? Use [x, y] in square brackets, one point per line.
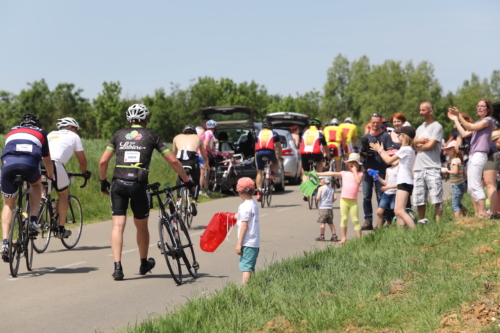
[459, 178]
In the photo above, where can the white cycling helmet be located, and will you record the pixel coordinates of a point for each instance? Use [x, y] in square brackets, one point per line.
[68, 121]
[211, 124]
[335, 122]
[348, 120]
[137, 112]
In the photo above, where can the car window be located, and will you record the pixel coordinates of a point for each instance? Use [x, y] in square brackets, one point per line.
[284, 143]
[229, 116]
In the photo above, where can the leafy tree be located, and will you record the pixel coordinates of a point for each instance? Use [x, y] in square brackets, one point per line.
[110, 110]
[336, 100]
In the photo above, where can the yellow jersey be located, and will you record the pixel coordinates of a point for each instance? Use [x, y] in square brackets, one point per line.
[350, 131]
[333, 134]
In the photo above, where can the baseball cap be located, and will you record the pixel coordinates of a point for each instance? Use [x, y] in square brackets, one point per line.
[326, 178]
[495, 135]
[408, 130]
[453, 143]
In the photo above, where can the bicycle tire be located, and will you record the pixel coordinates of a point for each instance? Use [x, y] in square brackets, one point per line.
[28, 252]
[185, 209]
[263, 194]
[270, 193]
[188, 255]
[310, 201]
[167, 239]
[15, 242]
[74, 222]
[42, 240]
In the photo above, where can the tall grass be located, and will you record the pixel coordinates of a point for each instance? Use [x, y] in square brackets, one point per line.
[393, 280]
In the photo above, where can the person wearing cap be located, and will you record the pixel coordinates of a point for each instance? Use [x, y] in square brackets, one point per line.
[457, 178]
[406, 157]
[427, 169]
[375, 162]
[248, 244]
[351, 180]
[389, 190]
[480, 133]
[326, 196]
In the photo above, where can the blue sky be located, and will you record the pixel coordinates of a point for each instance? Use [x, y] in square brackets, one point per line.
[286, 46]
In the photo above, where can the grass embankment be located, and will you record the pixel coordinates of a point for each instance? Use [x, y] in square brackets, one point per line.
[96, 206]
[438, 278]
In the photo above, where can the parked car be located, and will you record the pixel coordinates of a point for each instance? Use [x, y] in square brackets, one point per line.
[236, 135]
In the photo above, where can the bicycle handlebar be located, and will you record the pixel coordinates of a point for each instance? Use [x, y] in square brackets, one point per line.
[70, 174]
[154, 188]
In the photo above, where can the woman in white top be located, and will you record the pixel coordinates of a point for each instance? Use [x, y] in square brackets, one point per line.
[406, 156]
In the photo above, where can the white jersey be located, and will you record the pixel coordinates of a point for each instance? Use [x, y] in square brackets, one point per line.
[249, 211]
[62, 145]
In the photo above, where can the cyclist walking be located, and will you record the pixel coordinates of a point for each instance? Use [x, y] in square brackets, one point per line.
[25, 146]
[133, 147]
[268, 142]
[63, 143]
[186, 147]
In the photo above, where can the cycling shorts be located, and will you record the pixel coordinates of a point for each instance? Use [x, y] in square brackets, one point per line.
[200, 161]
[13, 165]
[62, 180]
[335, 147]
[270, 154]
[122, 191]
[305, 160]
[193, 173]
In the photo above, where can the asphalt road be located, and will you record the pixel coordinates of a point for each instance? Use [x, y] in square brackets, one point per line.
[73, 291]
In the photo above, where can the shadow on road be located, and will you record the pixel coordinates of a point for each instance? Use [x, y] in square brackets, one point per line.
[82, 248]
[51, 270]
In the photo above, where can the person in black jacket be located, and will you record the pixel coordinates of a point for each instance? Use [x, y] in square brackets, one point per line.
[373, 161]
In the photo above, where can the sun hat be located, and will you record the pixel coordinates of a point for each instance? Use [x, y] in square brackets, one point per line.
[354, 157]
[495, 135]
[245, 185]
[408, 130]
[451, 144]
[326, 178]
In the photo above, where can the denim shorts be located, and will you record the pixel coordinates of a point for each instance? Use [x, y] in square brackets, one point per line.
[248, 258]
[457, 193]
[387, 201]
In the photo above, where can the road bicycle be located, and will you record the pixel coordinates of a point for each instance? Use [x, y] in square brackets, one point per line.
[20, 236]
[186, 204]
[175, 243]
[267, 184]
[223, 175]
[48, 219]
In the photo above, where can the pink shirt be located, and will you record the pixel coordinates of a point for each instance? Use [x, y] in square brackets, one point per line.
[350, 187]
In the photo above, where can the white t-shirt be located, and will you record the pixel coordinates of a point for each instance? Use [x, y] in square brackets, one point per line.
[427, 159]
[249, 211]
[392, 179]
[62, 145]
[326, 198]
[406, 156]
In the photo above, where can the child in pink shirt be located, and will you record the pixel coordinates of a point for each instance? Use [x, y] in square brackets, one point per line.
[351, 180]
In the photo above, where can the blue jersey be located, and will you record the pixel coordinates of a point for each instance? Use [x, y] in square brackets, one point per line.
[26, 141]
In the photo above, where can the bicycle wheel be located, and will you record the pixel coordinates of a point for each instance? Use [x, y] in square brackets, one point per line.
[41, 242]
[310, 201]
[15, 242]
[270, 189]
[170, 251]
[186, 209]
[187, 249]
[263, 194]
[74, 222]
[28, 251]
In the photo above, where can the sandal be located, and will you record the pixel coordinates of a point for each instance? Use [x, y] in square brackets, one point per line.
[334, 238]
[321, 239]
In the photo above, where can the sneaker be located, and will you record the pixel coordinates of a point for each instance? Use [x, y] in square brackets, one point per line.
[194, 211]
[64, 234]
[151, 265]
[321, 238]
[367, 226]
[423, 221]
[258, 196]
[118, 275]
[5, 253]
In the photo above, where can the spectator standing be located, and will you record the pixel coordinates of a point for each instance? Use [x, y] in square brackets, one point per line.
[397, 120]
[373, 161]
[295, 132]
[457, 178]
[326, 196]
[389, 190]
[427, 168]
[480, 133]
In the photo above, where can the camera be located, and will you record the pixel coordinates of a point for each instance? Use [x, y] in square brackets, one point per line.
[465, 148]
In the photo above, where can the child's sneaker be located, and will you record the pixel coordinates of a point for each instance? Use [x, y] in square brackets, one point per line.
[423, 221]
[321, 238]
[334, 238]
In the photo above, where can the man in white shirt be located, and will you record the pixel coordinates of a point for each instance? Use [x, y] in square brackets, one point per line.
[62, 144]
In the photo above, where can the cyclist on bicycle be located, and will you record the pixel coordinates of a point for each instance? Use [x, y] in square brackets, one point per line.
[351, 135]
[63, 143]
[25, 146]
[268, 142]
[186, 147]
[313, 146]
[334, 136]
[209, 142]
[133, 147]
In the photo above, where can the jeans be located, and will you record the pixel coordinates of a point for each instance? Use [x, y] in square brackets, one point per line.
[368, 185]
[457, 193]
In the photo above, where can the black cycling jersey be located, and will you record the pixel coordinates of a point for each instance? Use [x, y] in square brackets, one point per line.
[134, 147]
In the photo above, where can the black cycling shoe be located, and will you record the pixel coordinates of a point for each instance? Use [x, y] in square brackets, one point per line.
[151, 264]
[118, 275]
[194, 211]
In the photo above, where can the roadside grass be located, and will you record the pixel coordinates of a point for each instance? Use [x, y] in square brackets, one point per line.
[437, 278]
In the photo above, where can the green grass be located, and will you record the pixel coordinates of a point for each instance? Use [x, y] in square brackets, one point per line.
[394, 280]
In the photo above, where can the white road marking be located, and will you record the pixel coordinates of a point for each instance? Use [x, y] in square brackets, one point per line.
[281, 210]
[47, 271]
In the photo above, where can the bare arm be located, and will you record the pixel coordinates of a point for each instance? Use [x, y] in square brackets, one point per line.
[320, 192]
[82, 160]
[384, 181]
[243, 231]
[279, 149]
[329, 173]
[428, 145]
[203, 153]
[357, 177]
[103, 163]
[48, 165]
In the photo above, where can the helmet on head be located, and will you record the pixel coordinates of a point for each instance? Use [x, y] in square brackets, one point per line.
[137, 112]
[30, 120]
[211, 124]
[335, 122]
[314, 122]
[348, 120]
[68, 121]
[267, 124]
[189, 129]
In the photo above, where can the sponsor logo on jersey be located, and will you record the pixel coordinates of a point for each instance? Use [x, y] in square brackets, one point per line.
[130, 146]
[133, 135]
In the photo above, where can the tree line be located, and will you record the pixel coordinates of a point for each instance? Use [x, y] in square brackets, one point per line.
[353, 88]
